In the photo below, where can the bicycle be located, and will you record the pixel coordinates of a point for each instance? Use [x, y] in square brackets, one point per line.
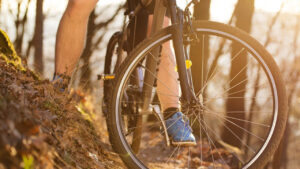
[249, 105]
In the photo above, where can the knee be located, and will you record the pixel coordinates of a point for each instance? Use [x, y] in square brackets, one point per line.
[81, 6]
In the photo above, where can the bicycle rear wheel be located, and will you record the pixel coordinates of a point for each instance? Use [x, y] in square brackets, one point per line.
[111, 63]
[246, 103]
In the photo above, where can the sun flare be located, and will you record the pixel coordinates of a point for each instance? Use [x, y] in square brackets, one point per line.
[268, 5]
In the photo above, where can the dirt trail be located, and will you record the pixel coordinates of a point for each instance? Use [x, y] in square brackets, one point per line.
[41, 127]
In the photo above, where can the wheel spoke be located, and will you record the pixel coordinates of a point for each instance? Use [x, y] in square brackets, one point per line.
[165, 85]
[227, 118]
[220, 139]
[223, 93]
[175, 78]
[214, 74]
[166, 94]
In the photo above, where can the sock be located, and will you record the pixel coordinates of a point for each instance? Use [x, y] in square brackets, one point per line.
[169, 112]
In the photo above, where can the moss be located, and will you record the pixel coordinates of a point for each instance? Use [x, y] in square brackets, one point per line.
[8, 53]
[6, 46]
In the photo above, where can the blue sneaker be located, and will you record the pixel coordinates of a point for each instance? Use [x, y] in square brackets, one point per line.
[179, 130]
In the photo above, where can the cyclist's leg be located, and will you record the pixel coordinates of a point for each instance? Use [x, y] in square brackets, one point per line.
[167, 86]
[71, 35]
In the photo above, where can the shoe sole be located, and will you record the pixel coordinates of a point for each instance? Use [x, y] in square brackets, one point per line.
[183, 143]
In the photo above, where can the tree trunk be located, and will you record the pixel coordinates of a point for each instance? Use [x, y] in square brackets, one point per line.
[38, 38]
[244, 13]
[199, 53]
[199, 57]
[20, 24]
[85, 74]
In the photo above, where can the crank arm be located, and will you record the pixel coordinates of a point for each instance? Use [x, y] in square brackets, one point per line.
[160, 116]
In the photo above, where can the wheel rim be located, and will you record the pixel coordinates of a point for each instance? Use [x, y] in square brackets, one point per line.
[265, 69]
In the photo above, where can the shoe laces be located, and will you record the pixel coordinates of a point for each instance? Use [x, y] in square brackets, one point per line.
[186, 121]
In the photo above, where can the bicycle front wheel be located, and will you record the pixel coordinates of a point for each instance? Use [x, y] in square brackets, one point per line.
[241, 111]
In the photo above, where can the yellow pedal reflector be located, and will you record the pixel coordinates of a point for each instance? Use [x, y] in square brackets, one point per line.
[188, 65]
[106, 77]
[109, 77]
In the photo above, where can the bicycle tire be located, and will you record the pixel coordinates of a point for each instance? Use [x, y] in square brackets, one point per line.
[109, 69]
[265, 152]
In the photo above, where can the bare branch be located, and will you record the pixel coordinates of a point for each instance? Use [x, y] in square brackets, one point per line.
[274, 19]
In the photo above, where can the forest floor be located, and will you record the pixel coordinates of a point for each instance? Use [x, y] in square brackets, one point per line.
[42, 127]
[45, 128]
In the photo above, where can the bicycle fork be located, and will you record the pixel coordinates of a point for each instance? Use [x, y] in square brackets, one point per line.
[188, 94]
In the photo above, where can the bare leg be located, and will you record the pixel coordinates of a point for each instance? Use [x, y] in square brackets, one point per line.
[71, 35]
[167, 86]
[168, 92]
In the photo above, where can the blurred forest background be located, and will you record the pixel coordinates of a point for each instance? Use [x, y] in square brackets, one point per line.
[32, 25]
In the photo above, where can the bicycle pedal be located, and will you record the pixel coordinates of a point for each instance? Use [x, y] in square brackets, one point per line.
[106, 77]
[159, 115]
